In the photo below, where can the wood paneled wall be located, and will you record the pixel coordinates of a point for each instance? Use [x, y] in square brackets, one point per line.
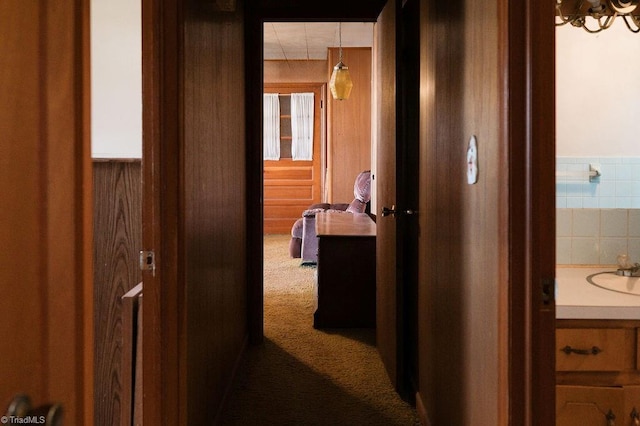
[117, 227]
[215, 208]
[463, 253]
[349, 126]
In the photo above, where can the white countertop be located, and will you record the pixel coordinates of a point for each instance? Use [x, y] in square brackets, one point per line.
[576, 298]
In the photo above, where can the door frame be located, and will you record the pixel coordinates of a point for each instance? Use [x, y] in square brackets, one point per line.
[163, 369]
[529, 128]
[255, 17]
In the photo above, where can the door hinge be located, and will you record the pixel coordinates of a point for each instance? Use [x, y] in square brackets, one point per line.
[148, 261]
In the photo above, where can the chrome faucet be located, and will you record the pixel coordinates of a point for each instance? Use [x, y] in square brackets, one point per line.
[626, 268]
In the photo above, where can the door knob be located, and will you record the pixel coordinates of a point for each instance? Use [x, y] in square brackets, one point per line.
[386, 211]
[393, 211]
[21, 411]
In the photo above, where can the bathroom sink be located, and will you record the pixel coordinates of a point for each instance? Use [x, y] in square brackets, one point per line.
[611, 281]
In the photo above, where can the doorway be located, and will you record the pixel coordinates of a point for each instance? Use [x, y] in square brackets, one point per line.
[524, 82]
[353, 154]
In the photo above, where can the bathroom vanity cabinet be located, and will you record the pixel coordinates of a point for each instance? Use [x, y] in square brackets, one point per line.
[597, 372]
[597, 351]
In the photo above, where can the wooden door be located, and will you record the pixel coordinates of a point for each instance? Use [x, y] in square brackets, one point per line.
[396, 178]
[407, 188]
[46, 317]
[290, 187]
[385, 180]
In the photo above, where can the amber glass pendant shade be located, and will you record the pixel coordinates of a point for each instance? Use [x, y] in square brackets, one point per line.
[340, 82]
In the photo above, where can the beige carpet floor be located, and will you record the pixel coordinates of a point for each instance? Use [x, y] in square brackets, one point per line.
[304, 376]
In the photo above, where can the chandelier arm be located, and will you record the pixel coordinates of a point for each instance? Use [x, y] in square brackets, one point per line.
[636, 22]
[564, 20]
[604, 21]
[608, 21]
[589, 30]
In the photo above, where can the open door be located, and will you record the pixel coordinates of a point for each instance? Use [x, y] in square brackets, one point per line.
[396, 68]
[385, 181]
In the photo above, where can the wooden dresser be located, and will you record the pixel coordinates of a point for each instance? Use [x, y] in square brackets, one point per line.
[346, 284]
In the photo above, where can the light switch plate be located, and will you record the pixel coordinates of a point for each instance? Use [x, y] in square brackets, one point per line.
[472, 161]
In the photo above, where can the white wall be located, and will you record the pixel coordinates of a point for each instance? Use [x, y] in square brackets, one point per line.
[116, 79]
[598, 92]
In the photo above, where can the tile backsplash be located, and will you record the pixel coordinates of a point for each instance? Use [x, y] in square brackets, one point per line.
[617, 187]
[596, 236]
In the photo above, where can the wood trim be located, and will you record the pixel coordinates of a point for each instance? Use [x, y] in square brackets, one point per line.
[162, 366]
[255, 227]
[530, 101]
[422, 411]
[84, 180]
[505, 364]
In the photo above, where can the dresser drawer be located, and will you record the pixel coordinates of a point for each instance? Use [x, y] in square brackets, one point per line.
[595, 349]
[590, 405]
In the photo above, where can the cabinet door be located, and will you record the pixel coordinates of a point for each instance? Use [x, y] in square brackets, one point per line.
[590, 406]
[632, 406]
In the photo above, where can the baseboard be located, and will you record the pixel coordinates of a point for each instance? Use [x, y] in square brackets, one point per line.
[422, 411]
[232, 380]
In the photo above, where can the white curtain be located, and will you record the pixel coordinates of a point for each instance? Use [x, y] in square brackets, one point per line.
[271, 126]
[302, 126]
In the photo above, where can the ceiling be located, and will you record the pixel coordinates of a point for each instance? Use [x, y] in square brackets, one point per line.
[310, 40]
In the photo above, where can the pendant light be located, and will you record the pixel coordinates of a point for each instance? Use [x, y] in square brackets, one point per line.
[340, 83]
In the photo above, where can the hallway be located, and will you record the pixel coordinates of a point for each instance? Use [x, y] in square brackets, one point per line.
[304, 376]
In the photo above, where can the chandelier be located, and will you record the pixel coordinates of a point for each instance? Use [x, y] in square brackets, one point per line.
[603, 12]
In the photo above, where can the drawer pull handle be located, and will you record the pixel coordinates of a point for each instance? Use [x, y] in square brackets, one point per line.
[593, 351]
[635, 416]
[611, 418]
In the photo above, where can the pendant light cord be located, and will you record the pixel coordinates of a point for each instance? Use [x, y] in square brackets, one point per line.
[340, 39]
